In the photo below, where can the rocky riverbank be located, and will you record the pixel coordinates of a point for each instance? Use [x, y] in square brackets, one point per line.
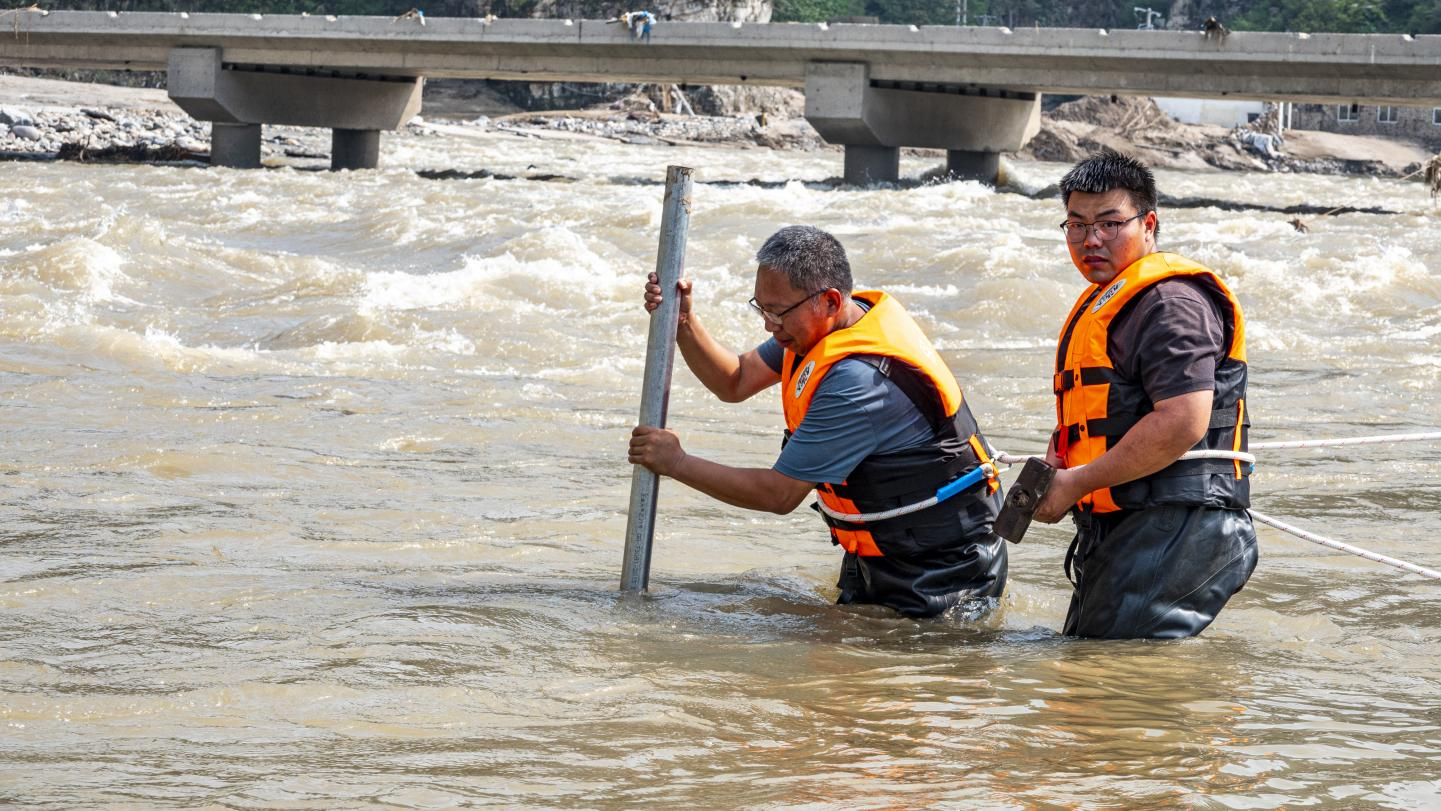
[93, 133]
[649, 127]
[43, 119]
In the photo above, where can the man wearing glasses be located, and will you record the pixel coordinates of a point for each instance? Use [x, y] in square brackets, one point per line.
[1151, 365]
[875, 421]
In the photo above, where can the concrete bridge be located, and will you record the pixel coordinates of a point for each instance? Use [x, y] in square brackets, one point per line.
[974, 92]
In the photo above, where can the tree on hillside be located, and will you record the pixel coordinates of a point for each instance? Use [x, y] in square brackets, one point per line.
[1315, 16]
[813, 11]
[1417, 17]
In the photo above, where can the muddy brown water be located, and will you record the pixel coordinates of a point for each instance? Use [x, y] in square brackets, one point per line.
[314, 490]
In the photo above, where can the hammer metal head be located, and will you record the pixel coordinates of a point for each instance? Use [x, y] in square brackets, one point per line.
[1022, 498]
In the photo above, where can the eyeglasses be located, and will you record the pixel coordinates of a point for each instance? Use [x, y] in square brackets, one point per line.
[1105, 229]
[777, 318]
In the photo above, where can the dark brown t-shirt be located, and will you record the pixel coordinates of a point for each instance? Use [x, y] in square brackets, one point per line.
[1170, 339]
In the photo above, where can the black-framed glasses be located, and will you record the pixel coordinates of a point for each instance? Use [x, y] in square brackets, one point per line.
[777, 318]
[1105, 229]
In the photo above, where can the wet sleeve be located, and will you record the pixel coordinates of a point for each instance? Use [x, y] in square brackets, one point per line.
[838, 430]
[1178, 340]
[772, 353]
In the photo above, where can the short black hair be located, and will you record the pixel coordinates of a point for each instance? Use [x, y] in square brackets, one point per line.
[1108, 169]
[809, 258]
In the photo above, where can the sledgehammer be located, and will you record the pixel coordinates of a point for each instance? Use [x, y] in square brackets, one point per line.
[1022, 498]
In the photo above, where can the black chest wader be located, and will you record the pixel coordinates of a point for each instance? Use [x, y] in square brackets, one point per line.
[937, 558]
[1158, 573]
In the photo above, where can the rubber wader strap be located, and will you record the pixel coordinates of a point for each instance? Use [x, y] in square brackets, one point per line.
[1085, 525]
[1070, 557]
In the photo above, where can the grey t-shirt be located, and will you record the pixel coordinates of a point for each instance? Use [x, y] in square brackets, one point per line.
[855, 412]
[1170, 339]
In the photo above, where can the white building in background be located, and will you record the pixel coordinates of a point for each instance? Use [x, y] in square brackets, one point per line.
[1220, 112]
[1421, 124]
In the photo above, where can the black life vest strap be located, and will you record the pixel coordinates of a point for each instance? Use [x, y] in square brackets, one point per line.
[1222, 417]
[1184, 467]
[917, 387]
[1192, 467]
[960, 460]
[1063, 382]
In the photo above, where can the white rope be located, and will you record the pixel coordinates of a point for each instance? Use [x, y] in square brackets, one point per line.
[1004, 458]
[1008, 459]
[1240, 456]
[1345, 547]
[1355, 440]
[981, 473]
[866, 518]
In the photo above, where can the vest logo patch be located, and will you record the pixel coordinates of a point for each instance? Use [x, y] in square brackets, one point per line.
[804, 377]
[1108, 295]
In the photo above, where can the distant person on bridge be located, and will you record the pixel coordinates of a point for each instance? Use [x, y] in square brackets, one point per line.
[1151, 364]
[874, 421]
[639, 23]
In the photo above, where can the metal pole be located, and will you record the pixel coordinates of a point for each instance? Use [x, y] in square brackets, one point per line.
[659, 357]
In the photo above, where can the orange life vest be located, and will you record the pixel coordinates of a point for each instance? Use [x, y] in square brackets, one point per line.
[889, 339]
[1095, 405]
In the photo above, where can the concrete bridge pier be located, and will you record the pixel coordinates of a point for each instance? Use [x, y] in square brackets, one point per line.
[872, 164]
[236, 145]
[354, 149]
[238, 99]
[970, 165]
[874, 118]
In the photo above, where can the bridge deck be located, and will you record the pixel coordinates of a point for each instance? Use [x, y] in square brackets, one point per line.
[1386, 69]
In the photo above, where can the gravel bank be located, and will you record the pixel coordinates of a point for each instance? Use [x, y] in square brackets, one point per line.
[43, 119]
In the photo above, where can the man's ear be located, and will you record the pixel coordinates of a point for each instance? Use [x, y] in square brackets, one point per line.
[835, 299]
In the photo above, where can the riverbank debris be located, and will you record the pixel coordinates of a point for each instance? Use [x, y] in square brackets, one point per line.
[136, 153]
[1432, 177]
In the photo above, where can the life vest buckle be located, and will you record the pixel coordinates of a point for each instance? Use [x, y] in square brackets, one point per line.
[1063, 381]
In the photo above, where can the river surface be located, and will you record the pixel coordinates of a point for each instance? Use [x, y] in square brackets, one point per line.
[314, 489]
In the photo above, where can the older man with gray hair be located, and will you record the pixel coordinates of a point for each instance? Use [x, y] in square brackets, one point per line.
[876, 425]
